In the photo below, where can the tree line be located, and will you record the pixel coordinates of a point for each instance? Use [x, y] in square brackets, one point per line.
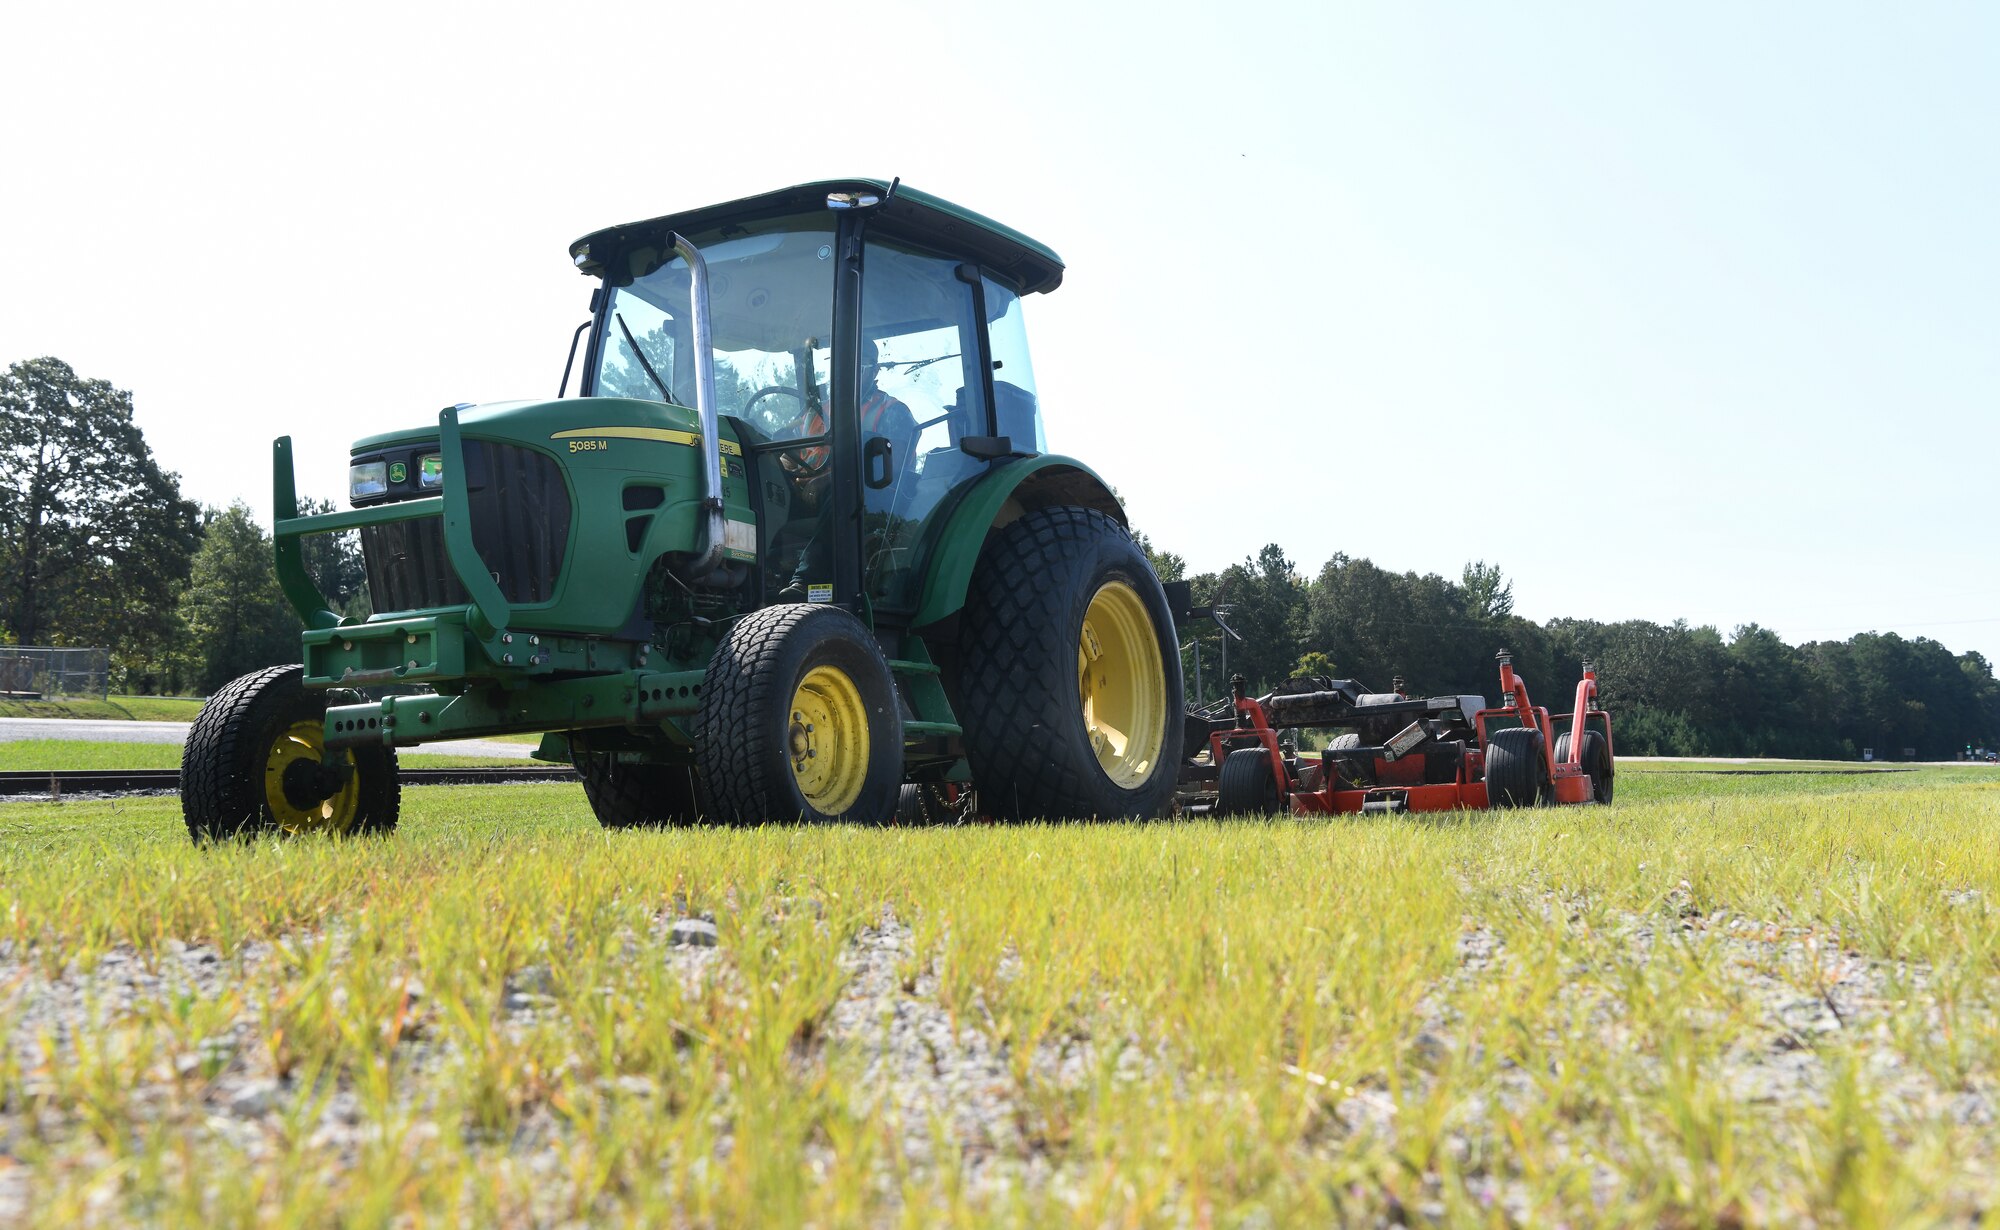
[1672, 690]
[98, 546]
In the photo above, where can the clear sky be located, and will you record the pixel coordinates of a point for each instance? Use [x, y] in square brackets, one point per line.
[1689, 310]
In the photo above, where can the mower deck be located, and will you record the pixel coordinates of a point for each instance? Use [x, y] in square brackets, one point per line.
[1407, 754]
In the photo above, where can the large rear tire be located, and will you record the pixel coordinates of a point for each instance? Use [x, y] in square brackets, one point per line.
[1515, 774]
[636, 796]
[799, 721]
[1069, 684]
[256, 762]
[1247, 785]
[1596, 762]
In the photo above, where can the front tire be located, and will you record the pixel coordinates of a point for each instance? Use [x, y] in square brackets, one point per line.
[1070, 682]
[799, 721]
[256, 762]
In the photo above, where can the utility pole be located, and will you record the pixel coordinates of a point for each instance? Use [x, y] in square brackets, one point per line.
[1217, 612]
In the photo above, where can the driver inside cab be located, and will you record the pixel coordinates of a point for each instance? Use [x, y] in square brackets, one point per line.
[883, 416]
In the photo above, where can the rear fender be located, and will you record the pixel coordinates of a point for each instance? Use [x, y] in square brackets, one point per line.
[1001, 497]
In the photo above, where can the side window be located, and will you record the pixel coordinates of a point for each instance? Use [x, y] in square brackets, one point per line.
[921, 394]
[1018, 412]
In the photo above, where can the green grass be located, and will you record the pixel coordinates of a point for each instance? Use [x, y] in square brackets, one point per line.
[116, 709]
[1535, 1016]
[92, 754]
[1713, 765]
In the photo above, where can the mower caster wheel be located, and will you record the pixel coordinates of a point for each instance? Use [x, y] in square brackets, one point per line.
[1248, 786]
[1515, 773]
[799, 721]
[1596, 762]
[256, 762]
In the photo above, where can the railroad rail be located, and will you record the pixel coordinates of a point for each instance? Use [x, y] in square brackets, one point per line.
[57, 782]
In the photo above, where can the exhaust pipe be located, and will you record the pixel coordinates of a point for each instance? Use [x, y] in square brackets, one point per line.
[704, 405]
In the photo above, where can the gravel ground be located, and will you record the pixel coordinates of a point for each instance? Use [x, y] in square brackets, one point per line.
[951, 1089]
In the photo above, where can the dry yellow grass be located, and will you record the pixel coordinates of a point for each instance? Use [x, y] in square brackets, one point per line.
[1756, 1001]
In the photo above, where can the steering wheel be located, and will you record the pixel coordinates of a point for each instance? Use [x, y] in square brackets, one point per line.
[801, 463]
[768, 421]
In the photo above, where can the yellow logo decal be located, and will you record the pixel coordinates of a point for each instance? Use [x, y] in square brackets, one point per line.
[663, 435]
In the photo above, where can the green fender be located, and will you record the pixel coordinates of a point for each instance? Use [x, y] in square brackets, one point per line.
[999, 497]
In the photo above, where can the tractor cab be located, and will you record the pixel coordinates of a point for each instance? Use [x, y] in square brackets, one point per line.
[868, 350]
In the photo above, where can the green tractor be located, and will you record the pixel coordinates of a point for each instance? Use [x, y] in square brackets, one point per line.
[797, 552]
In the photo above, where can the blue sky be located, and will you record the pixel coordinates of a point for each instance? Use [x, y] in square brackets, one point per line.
[1687, 312]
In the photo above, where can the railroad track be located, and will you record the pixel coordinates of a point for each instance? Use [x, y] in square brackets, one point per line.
[58, 782]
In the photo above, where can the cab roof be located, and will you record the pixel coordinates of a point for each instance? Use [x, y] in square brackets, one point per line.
[930, 220]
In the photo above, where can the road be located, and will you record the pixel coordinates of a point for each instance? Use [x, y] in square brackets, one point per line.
[73, 729]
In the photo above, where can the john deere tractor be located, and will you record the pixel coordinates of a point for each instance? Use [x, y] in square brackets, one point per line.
[797, 551]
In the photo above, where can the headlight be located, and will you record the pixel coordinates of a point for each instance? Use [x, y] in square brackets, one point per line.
[430, 471]
[370, 478]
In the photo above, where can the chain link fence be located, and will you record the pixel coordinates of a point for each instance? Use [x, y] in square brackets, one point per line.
[39, 672]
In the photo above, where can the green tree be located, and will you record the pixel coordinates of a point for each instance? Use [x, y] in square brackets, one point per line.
[1166, 565]
[237, 618]
[335, 563]
[1267, 608]
[1313, 662]
[1488, 595]
[95, 537]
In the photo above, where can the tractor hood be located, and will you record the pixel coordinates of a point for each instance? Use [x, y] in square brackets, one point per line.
[569, 503]
[520, 419]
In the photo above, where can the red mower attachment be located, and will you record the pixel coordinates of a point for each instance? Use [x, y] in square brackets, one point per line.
[1403, 754]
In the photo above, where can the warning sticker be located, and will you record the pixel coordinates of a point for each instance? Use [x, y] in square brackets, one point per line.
[1404, 740]
[819, 593]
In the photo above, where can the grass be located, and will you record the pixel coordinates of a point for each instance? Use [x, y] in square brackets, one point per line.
[1565, 1015]
[1713, 765]
[114, 709]
[91, 754]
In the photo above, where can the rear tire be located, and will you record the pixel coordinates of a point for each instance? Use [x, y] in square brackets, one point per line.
[1596, 762]
[799, 721]
[636, 796]
[1247, 785]
[253, 763]
[1515, 774]
[1070, 681]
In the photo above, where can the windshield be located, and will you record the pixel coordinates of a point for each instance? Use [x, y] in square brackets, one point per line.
[771, 316]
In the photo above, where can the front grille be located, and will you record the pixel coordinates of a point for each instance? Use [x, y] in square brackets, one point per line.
[520, 526]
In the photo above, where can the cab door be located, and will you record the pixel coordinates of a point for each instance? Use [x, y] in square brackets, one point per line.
[922, 359]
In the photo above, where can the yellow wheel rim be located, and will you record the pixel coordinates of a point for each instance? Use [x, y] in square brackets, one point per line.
[304, 741]
[1122, 682]
[828, 740]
